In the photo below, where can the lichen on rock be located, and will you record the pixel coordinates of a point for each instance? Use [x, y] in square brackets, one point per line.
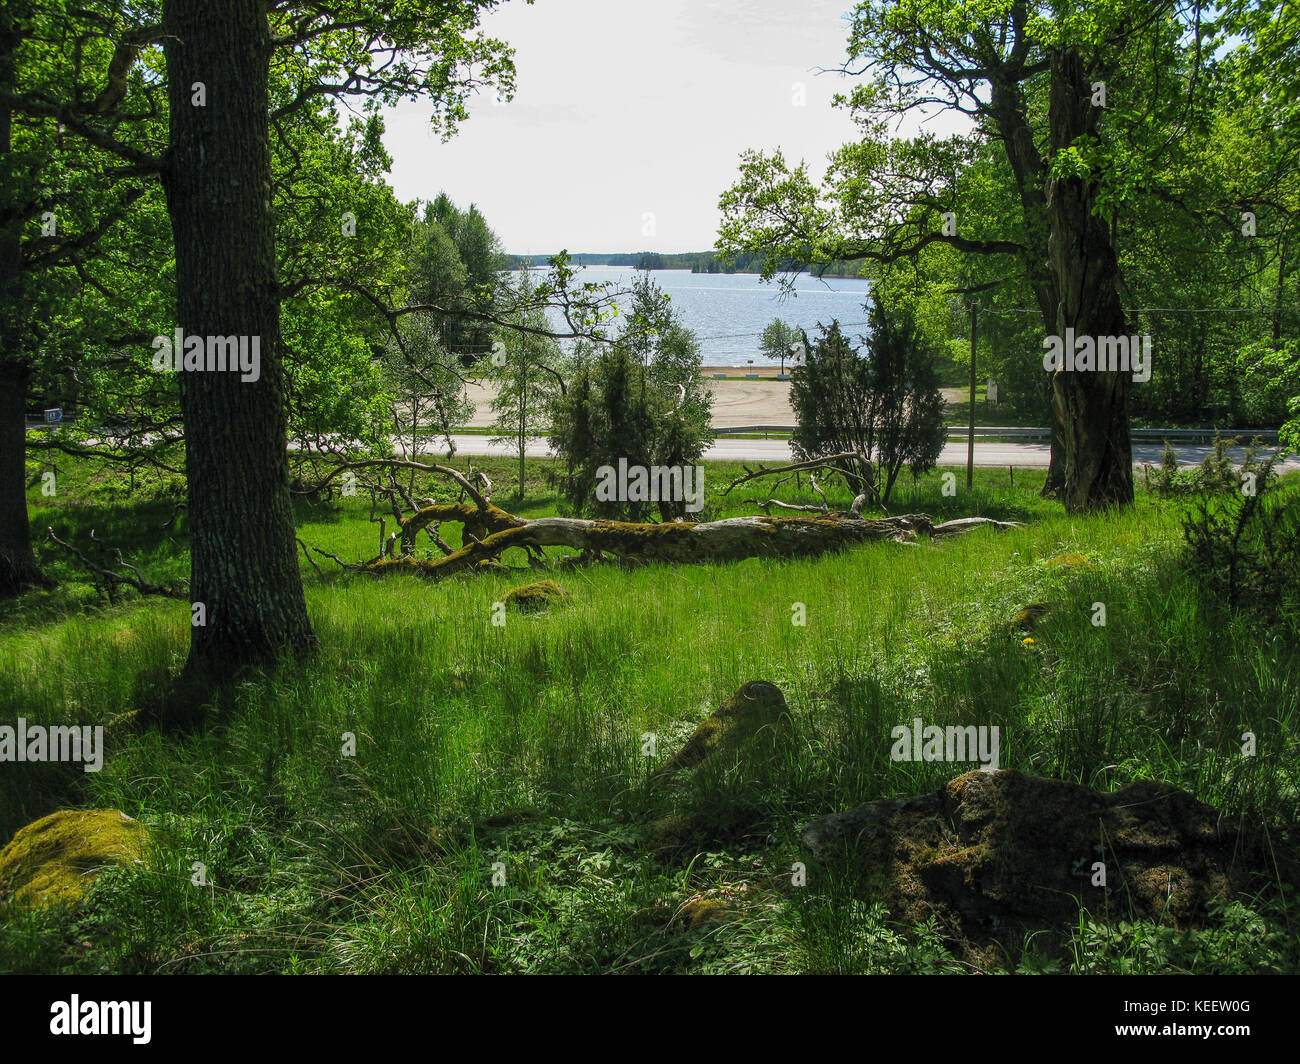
[54, 859]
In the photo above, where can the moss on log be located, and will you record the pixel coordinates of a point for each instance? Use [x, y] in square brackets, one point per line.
[732, 539]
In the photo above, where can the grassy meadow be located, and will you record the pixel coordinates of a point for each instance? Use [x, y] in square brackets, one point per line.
[496, 814]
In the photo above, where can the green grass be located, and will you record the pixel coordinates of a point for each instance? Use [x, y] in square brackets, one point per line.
[520, 746]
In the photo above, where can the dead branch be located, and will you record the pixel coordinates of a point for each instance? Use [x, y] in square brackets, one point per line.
[310, 560]
[969, 524]
[137, 581]
[766, 506]
[361, 568]
[812, 463]
[397, 463]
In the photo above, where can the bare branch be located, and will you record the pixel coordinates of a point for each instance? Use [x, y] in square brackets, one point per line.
[815, 463]
[138, 581]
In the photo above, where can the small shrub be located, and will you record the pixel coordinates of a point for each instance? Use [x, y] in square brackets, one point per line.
[1244, 547]
[1216, 475]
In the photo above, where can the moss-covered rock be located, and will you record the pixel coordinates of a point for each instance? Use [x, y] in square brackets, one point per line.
[1069, 560]
[53, 860]
[1027, 616]
[998, 857]
[756, 712]
[532, 598]
[720, 903]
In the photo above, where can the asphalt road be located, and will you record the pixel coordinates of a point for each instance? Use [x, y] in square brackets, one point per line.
[1024, 454]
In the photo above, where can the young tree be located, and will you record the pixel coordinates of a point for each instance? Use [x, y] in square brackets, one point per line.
[777, 341]
[422, 380]
[654, 336]
[882, 402]
[608, 414]
[909, 408]
[834, 405]
[615, 411]
[524, 367]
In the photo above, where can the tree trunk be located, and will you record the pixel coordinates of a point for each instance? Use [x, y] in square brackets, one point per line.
[1092, 405]
[1030, 172]
[243, 564]
[1054, 485]
[18, 568]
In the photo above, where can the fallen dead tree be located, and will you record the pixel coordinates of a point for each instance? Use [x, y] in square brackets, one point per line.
[491, 531]
[488, 531]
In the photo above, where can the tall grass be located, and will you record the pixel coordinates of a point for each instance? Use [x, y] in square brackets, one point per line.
[520, 746]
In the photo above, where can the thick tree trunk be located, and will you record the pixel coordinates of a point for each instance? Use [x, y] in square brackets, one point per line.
[18, 568]
[243, 564]
[1092, 405]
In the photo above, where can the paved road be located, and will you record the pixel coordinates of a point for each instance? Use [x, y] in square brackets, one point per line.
[1025, 454]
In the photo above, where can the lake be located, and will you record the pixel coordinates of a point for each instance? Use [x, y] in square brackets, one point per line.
[727, 312]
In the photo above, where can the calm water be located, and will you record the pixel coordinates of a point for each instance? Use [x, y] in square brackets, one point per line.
[728, 311]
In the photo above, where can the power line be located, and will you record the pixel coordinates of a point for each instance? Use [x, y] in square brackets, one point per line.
[1163, 310]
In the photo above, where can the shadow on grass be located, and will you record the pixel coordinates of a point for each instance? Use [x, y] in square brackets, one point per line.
[191, 700]
[153, 535]
[141, 526]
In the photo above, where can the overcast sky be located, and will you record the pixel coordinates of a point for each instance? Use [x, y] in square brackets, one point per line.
[626, 108]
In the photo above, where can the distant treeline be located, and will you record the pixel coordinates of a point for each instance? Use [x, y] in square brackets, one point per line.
[695, 261]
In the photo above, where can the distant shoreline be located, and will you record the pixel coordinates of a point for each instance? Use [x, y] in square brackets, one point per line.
[696, 262]
[765, 372]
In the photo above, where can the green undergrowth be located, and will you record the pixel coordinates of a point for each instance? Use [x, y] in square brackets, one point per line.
[435, 792]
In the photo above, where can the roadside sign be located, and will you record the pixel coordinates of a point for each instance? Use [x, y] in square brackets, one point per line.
[54, 415]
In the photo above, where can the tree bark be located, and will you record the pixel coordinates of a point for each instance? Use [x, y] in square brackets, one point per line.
[243, 566]
[18, 567]
[1092, 406]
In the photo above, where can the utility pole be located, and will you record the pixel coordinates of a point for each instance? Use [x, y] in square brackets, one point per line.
[970, 439]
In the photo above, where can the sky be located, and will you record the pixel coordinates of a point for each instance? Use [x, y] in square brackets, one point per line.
[629, 118]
